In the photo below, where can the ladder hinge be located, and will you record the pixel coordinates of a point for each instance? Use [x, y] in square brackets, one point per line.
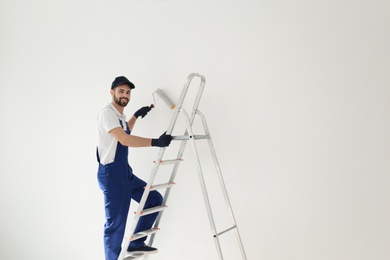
[188, 137]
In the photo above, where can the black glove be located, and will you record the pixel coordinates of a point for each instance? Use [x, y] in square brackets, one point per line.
[143, 111]
[163, 141]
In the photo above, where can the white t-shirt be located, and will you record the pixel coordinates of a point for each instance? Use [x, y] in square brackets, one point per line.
[107, 120]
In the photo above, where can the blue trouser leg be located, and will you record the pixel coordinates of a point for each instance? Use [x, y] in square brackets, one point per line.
[114, 228]
[117, 198]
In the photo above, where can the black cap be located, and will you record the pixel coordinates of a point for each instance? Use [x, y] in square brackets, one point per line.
[121, 80]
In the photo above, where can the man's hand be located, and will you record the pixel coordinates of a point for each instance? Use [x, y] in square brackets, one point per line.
[143, 111]
[163, 141]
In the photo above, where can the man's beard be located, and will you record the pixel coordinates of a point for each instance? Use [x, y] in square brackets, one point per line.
[121, 101]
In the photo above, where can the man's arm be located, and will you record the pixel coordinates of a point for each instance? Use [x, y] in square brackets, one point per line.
[130, 140]
[142, 112]
[131, 122]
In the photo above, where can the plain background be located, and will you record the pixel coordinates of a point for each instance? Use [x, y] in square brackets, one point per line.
[297, 100]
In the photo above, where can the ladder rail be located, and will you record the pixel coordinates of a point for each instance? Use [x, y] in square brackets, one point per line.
[203, 186]
[182, 98]
[184, 141]
[222, 182]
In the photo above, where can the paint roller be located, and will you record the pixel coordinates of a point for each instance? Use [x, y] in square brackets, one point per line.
[164, 97]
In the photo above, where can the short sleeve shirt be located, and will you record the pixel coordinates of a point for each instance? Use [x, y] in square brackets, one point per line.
[108, 119]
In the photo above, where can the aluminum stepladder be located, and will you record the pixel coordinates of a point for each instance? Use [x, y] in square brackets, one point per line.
[191, 137]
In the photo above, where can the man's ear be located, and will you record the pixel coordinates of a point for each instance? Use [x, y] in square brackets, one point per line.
[111, 92]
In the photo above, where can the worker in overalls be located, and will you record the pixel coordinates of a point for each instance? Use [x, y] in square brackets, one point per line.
[115, 175]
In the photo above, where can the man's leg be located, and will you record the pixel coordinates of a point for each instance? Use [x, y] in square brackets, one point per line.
[117, 203]
[114, 228]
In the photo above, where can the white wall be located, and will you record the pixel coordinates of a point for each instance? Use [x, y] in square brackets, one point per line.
[297, 99]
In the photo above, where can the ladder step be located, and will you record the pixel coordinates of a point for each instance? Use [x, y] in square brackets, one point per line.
[144, 233]
[152, 210]
[130, 256]
[188, 137]
[223, 232]
[165, 162]
[162, 186]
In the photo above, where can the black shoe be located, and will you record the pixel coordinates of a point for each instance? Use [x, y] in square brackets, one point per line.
[143, 250]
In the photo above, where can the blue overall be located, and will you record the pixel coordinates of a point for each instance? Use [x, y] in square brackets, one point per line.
[119, 186]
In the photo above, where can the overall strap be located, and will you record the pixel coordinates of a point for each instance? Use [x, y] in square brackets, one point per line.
[97, 155]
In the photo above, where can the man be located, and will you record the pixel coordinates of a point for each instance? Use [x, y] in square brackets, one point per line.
[115, 175]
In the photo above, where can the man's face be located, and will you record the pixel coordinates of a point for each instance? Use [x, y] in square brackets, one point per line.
[121, 94]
